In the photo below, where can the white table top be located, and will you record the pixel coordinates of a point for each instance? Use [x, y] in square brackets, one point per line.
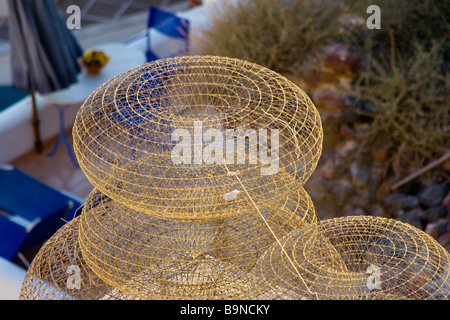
[122, 58]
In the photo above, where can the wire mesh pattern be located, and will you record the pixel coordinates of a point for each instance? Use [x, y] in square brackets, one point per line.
[59, 265]
[360, 257]
[170, 218]
[180, 256]
[123, 132]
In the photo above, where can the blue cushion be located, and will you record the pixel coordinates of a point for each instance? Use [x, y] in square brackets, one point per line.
[30, 200]
[11, 238]
[22, 195]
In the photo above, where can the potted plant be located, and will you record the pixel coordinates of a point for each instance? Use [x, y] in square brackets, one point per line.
[93, 61]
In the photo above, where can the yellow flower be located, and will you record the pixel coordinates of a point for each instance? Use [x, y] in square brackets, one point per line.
[95, 58]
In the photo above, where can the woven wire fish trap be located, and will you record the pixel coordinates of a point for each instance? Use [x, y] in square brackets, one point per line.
[59, 272]
[155, 257]
[165, 227]
[184, 228]
[124, 133]
[361, 257]
[118, 253]
[218, 222]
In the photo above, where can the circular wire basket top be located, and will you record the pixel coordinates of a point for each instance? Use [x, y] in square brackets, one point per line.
[205, 116]
[361, 257]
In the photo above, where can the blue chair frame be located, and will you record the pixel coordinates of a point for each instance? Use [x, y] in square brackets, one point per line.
[170, 25]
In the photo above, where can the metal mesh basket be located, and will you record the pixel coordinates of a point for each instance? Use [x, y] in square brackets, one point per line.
[190, 204]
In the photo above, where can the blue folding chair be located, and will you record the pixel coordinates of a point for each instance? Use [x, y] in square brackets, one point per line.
[169, 24]
[30, 211]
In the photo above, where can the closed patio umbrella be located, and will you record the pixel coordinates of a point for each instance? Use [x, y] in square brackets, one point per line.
[44, 53]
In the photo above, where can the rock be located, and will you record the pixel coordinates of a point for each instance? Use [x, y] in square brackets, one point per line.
[446, 204]
[360, 199]
[400, 168]
[377, 176]
[360, 176]
[400, 201]
[347, 131]
[444, 239]
[401, 164]
[419, 212]
[432, 230]
[443, 226]
[328, 99]
[438, 228]
[434, 214]
[362, 128]
[354, 212]
[376, 211]
[413, 218]
[346, 148]
[446, 165]
[365, 107]
[433, 195]
[330, 124]
[338, 57]
[350, 21]
[380, 153]
[358, 111]
[383, 191]
[340, 190]
[326, 170]
[316, 76]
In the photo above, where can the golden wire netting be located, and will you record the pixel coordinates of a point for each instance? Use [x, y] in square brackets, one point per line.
[228, 224]
[183, 258]
[58, 272]
[361, 257]
[123, 134]
[160, 226]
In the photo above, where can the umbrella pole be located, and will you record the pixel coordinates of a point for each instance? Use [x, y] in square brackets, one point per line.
[35, 122]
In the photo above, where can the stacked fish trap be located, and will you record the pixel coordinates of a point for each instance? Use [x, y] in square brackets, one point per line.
[198, 165]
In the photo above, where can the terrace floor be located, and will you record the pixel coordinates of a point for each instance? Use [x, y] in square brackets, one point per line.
[56, 171]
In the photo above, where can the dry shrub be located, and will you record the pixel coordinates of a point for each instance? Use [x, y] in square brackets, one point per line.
[280, 35]
[411, 95]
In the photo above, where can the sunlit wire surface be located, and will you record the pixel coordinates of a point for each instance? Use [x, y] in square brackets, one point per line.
[198, 164]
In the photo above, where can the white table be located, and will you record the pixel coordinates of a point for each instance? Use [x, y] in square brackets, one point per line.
[122, 58]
